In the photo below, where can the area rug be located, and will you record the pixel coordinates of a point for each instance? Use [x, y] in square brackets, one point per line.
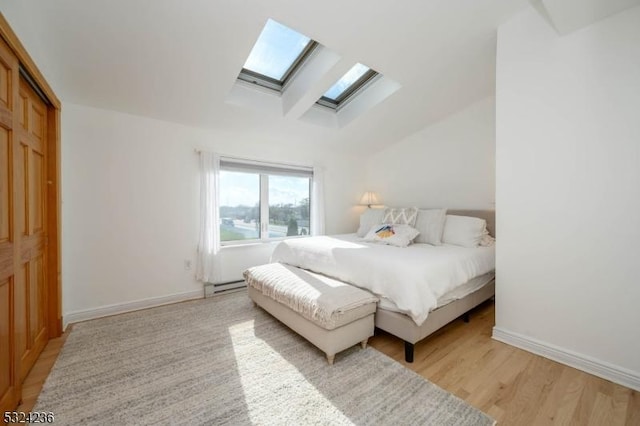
[223, 361]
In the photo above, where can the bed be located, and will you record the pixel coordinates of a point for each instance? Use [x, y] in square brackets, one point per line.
[417, 296]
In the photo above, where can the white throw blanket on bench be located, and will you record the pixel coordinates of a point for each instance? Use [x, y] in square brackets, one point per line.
[315, 297]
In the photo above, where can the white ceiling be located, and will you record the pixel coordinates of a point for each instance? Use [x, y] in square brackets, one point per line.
[572, 15]
[178, 60]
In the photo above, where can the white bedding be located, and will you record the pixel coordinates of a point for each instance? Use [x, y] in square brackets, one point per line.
[457, 293]
[413, 277]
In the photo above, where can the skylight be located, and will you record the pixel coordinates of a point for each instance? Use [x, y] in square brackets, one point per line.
[277, 53]
[347, 86]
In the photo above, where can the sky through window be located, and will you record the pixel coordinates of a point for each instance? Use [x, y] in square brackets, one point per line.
[277, 48]
[347, 80]
[244, 189]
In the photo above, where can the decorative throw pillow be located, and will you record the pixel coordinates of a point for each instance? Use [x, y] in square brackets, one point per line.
[368, 219]
[405, 216]
[464, 231]
[395, 235]
[430, 223]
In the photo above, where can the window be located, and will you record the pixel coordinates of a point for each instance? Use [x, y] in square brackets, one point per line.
[239, 206]
[278, 52]
[261, 202]
[350, 83]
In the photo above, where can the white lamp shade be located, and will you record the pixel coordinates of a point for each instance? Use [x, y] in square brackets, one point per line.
[369, 198]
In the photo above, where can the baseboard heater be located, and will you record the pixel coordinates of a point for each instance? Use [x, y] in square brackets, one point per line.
[211, 289]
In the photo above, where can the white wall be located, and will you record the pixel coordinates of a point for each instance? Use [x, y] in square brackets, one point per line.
[568, 191]
[448, 164]
[130, 204]
[17, 13]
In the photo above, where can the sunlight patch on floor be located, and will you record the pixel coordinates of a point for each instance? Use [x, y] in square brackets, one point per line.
[273, 387]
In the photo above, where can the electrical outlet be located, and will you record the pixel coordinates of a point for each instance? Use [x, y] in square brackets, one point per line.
[187, 265]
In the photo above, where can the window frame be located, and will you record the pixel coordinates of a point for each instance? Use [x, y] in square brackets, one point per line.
[264, 170]
[262, 80]
[350, 92]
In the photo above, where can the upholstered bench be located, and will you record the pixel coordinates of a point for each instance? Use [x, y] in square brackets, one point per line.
[328, 313]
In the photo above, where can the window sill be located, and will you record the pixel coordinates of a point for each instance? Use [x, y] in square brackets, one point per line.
[229, 245]
[238, 245]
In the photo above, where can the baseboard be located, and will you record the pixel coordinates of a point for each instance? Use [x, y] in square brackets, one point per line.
[121, 308]
[582, 362]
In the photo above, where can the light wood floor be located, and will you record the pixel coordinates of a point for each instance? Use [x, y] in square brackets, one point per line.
[513, 386]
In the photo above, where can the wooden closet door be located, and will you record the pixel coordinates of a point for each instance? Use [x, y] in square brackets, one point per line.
[9, 237]
[31, 287]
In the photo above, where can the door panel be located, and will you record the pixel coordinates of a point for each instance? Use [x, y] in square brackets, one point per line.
[9, 239]
[21, 176]
[33, 300]
[32, 195]
[5, 195]
[23, 110]
[42, 294]
[37, 191]
[21, 301]
[6, 336]
[25, 300]
[39, 288]
[6, 80]
[37, 120]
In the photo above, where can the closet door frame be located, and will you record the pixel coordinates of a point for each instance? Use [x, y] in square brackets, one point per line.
[52, 249]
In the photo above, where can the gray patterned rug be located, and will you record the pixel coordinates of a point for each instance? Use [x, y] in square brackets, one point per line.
[222, 361]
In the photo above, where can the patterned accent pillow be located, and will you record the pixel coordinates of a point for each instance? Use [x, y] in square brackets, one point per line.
[394, 235]
[405, 216]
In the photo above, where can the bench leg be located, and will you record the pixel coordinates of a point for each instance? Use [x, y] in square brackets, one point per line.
[364, 344]
[330, 359]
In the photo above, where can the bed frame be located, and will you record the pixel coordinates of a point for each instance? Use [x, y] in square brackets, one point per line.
[404, 327]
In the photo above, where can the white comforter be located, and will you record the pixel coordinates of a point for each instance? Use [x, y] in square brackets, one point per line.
[413, 277]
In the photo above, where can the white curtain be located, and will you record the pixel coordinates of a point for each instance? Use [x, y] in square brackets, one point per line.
[317, 202]
[207, 262]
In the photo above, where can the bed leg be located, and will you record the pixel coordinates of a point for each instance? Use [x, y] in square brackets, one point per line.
[330, 359]
[465, 317]
[408, 351]
[364, 344]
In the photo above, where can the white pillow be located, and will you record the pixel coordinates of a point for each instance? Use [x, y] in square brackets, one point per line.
[395, 235]
[463, 231]
[369, 219]
[404, 216]
[430, 224]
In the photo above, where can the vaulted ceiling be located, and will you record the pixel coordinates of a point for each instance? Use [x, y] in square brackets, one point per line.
[178, 60]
